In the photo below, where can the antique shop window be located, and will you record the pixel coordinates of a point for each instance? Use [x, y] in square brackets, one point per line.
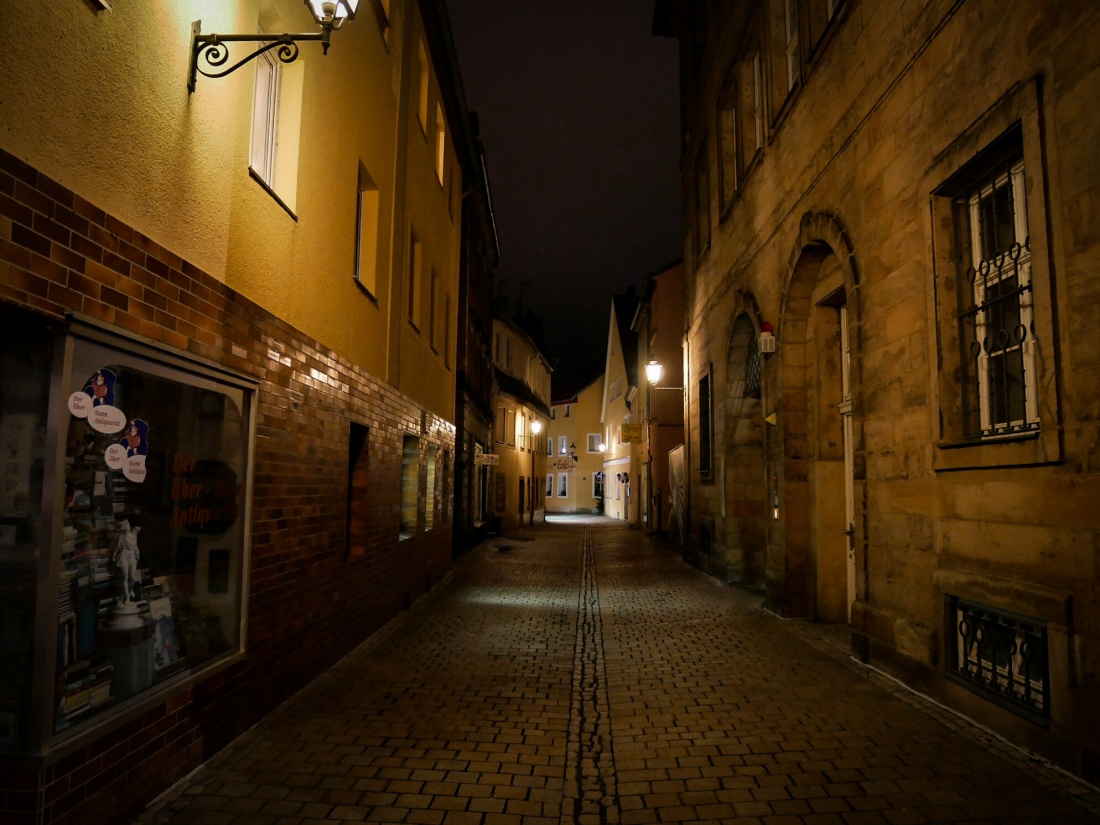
[152, 527]
[993, 304]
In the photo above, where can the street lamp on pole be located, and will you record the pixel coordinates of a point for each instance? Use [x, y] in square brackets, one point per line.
[536, 428]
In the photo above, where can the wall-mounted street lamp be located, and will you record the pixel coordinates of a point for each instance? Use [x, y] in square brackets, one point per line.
[653, 372]
[536, 428]
[329, 14]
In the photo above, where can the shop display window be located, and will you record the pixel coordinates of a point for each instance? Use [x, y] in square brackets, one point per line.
[150, 554]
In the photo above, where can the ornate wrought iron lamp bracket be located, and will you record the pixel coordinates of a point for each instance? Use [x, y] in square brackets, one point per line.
[212, 50]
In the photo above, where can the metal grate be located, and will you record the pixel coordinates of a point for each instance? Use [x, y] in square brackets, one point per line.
[996, 308]
[999, 655]
[752, 369]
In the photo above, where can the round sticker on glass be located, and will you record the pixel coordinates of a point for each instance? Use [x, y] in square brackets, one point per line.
[107, 419]
[80, 404]
[134, 468]
[115, 456]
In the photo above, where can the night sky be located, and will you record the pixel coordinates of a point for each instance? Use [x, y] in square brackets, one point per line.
[579, 111]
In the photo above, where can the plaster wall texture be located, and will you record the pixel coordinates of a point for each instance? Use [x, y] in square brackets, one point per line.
[98, 101]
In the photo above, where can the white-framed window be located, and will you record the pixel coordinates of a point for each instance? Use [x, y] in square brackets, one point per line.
[511, 428]
[416, 263]
[423, 77]
[521, 431]
[563, 485]
[995, 305]
[440, 143]
[276, 117]
[366, 232]
[549, 445]
[594, 441]
[501, 424]
[597, 484]
[566, 410]
[563, 445]
[549, 485]
[794, 59]
[433, 308]
[265, 117]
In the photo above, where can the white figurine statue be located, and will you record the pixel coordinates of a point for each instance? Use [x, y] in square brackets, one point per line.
[126, 558]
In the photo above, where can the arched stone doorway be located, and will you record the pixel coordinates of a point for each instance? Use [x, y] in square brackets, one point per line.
[818, 381]
[744, 472]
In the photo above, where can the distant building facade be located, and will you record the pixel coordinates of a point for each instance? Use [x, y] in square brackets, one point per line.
[890, 255]
[658, 324]
[474, 356]
[575, 449]
[229, 340]
[522, 399]
[622, 430]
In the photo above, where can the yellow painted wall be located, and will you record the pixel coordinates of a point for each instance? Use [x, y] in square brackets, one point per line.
[584, 418]
[122, 131]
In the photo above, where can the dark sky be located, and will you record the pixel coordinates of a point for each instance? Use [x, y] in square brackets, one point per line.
[579, 111]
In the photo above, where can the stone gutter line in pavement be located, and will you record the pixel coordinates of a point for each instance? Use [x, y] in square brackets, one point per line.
[590, 796]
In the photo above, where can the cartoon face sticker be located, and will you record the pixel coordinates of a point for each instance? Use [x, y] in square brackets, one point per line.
[136, 438]
[101, 388]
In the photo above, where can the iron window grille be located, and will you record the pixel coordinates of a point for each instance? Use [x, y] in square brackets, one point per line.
[1001, 656]
[753, 369]
[996, 315]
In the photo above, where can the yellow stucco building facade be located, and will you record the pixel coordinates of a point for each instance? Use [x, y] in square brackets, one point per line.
[228, 317]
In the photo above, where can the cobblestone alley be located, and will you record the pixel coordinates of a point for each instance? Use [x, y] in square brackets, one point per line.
[581, 673]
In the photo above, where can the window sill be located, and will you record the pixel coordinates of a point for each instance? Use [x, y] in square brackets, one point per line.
[1025, 450]
[369, 295]
[263, 184]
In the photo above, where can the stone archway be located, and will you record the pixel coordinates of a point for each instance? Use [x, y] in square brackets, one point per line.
[818, 382]
[744, 472]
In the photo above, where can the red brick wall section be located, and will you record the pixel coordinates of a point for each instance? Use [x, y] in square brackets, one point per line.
[308, 604]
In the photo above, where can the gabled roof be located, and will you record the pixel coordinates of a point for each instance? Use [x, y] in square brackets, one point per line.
[625, 307]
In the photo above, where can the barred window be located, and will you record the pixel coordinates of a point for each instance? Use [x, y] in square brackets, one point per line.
[996, 328]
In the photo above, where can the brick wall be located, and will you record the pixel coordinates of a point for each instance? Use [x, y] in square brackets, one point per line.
[309, 603]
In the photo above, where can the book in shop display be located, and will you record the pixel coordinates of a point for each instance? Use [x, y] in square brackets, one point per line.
[118, 623]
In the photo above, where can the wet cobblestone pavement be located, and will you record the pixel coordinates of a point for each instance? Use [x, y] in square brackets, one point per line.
[580, 673]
